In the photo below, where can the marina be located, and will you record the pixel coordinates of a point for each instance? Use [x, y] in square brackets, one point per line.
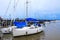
[51, 32]
[29, 20]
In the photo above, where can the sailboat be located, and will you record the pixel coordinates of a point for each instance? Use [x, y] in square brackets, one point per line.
[21, 28]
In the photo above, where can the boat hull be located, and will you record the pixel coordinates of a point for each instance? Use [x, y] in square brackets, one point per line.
[20, 32]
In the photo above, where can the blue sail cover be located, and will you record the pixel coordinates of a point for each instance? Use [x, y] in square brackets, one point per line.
[34, 20]
[20, 24]
[31, 19]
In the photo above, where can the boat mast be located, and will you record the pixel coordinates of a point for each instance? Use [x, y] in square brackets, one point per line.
[15, 5]
[13, 13]
[26, 8]
[26, 11]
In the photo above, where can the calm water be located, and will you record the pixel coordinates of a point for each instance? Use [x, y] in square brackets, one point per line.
[51, 32]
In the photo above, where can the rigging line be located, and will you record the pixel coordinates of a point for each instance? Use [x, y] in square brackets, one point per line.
[14, 7]
[8, 6]
[7, 9]
[16, 4]
[13, 12]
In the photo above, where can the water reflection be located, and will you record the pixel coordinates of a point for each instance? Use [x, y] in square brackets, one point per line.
[51, 32]
[38, 36]
[7, 37]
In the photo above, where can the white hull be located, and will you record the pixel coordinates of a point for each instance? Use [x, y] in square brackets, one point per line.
[7, 30]
[22, 31]
[31, 31]
[27, 31]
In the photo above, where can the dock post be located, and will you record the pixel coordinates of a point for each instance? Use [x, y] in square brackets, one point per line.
[1, 34]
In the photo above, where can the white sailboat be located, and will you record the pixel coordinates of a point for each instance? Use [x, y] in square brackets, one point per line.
[27, 30]
[24, 30]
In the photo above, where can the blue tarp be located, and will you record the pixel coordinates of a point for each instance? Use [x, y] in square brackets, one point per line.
[20, 24]
[34, 20]
[31, 19]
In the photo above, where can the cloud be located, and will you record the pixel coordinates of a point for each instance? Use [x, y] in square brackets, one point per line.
[35, 7]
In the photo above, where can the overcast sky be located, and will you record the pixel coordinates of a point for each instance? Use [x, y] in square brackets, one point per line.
[40, 9]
